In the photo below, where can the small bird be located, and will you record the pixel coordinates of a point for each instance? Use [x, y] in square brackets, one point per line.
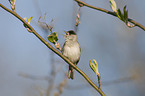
[71, 49]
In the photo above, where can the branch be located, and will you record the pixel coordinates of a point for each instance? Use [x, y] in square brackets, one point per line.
[53, 49]
[109, 12]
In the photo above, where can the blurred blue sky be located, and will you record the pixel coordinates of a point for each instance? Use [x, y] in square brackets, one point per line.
[119, 50]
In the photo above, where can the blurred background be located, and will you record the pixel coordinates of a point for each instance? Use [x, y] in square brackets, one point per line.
[29, 68]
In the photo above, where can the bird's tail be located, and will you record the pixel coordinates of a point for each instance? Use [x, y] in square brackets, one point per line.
[71, 73]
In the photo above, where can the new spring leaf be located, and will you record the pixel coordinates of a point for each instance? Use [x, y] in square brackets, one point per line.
[53, 37]
[94, 66]
[29, 20]
[113, 5]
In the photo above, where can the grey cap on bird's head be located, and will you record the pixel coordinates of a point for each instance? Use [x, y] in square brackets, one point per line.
[71, 32]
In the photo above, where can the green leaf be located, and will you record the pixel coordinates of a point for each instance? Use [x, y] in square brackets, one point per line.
[126, 17]
[120, 15]
[113, 5]
[13, 2]
[53, 38]
[124, 9]
[125, 14]
[25, 18]
[50, 38]
[29, 20]
[94, 66]
[95, 62]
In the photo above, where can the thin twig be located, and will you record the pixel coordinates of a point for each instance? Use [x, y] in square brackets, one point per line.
[111, 13]
[99, 80]
[54, 50]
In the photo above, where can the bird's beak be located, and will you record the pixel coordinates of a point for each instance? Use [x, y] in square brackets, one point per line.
[66, 32]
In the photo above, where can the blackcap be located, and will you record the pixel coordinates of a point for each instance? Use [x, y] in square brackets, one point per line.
[71, 49]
